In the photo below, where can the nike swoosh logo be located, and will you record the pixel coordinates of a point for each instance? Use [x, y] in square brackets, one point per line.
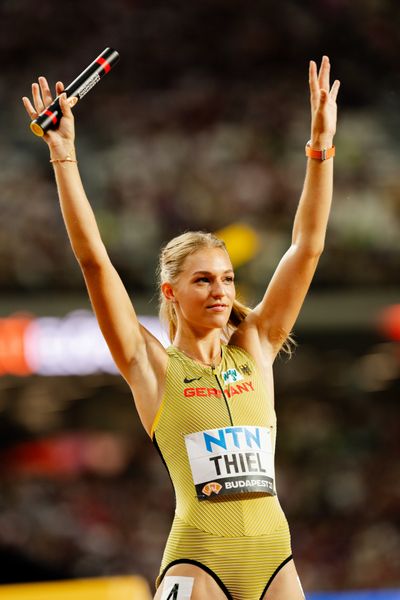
[187, 380]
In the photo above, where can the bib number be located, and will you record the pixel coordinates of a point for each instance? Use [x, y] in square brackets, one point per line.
[231, 460]
[177, 588]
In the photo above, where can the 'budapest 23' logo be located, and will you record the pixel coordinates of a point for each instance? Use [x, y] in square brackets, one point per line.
[211, 487]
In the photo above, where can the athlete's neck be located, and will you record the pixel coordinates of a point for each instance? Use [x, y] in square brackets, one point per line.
[206, 350]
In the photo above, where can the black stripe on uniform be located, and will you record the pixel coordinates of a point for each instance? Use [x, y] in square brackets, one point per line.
[275, 573]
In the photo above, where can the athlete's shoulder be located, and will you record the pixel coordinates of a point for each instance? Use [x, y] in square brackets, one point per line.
[177, 355]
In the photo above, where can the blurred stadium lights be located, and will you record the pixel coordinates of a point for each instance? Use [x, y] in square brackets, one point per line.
[70, 454]
[72, 345]
[102, 588]
[242, 242]
[389, 321]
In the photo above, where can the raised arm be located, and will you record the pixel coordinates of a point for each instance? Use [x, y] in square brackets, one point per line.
[276, 314]
[133, 348]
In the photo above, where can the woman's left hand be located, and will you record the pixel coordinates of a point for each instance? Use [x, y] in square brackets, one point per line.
[323, 105]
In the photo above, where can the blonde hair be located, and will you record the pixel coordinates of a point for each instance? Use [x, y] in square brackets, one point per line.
[171, 262]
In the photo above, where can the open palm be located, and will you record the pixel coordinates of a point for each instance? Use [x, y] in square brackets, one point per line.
[323, 104]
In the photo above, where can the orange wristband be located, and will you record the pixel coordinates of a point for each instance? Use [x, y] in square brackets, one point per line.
[319, 154]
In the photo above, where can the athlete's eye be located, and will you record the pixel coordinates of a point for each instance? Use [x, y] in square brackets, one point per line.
[203, 279]
[229, 279]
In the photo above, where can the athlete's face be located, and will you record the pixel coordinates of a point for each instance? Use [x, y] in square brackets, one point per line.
[204, 293]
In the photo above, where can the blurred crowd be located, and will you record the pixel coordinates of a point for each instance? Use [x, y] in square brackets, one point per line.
[203, 124]
[207, 108]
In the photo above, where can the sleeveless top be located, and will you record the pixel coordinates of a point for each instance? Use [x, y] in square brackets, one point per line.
[216, 430]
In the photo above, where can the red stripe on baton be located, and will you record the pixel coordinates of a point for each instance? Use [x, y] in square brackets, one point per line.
[102, 61]
[52, 115]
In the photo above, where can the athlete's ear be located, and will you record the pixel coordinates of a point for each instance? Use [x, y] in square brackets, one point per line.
[168, 291]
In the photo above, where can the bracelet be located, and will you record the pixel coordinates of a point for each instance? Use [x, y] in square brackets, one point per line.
[68, 158]
[62, 160]
[320, 154]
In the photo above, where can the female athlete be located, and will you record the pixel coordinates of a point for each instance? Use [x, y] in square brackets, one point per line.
[207, 400]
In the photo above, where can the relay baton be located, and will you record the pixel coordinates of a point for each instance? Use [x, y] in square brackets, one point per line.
[51, 116]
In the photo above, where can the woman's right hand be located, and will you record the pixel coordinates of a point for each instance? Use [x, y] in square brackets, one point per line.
[61, 140]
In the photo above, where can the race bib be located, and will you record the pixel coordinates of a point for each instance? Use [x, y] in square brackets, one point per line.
[177, 588]
[231, 460]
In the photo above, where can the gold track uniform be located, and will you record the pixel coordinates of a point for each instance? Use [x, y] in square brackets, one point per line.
[216, 432]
